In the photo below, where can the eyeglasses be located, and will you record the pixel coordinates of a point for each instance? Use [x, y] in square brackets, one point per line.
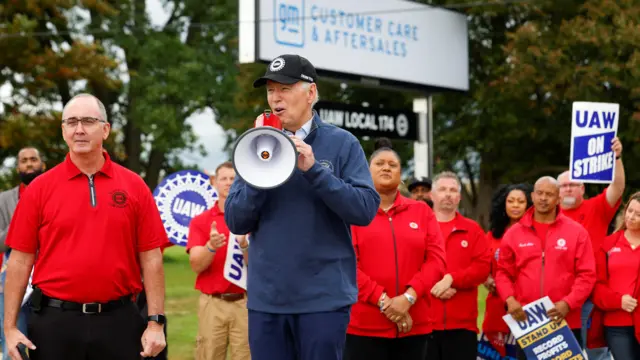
[86, 121]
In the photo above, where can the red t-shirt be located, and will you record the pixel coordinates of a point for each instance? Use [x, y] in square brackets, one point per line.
[541, 231]
[211, 280]
[595, 215]
[87, 239]
[446, 228]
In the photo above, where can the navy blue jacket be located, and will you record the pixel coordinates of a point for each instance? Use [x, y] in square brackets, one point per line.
[301, 258]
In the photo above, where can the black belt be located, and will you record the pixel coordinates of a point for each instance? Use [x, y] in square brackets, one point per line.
[86, 308]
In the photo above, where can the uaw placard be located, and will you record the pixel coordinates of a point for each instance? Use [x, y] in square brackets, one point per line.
[180, 197]
[542, 339]
[593, 127]
[235, 266]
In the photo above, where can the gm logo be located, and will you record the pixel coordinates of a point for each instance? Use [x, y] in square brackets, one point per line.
[289, 22]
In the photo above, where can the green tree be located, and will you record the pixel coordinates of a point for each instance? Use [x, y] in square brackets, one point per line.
[41, 69]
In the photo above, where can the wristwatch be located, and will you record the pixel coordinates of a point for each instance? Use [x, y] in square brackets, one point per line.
[160, 319]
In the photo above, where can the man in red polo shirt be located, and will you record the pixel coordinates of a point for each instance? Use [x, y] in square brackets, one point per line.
[223, 316]
[453, 310]
[595, 214]
[95, 228]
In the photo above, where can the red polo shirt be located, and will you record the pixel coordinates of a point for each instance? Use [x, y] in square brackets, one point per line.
[87, 235]
[211, 280]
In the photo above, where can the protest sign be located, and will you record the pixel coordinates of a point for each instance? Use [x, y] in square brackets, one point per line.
[593, 127]
[496, 346]
[542, 339]
[235, 266]
[180, 197]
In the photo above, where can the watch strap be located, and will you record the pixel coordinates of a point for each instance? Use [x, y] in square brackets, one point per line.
[160, 319]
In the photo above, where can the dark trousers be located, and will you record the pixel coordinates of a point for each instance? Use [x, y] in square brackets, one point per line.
[520, 354]
[622, 342]
[455, 344]
[376, 348]
[313, 336]
[71, 335]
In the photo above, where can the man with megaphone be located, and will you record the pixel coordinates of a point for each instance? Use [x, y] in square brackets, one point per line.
[298, 204]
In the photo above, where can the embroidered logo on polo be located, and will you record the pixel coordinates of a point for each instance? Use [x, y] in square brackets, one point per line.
[119, 198]
[614, 250]
[180, 197]
[561, 244]
[413, 225]
[464, 243]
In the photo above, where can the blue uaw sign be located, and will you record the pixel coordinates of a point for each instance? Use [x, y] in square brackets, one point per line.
[180, 197]
[543, 339]
[593, 127]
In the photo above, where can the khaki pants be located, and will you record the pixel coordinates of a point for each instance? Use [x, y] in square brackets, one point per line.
[222, 323]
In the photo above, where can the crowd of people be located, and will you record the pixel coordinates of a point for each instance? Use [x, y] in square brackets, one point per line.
[341, 263]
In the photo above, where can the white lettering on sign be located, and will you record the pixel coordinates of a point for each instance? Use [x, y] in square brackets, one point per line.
[593, 164]
[358, 120]
[365, 121]
[188, 208]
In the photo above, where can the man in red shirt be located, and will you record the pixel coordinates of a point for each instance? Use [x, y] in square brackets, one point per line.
[453, 310]
[95, 229]
[595, 214]
[223, 316]
[546, 254]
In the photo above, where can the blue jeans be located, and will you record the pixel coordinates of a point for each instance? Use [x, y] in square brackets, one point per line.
[597, 353]
[622, 341]
[22, 324]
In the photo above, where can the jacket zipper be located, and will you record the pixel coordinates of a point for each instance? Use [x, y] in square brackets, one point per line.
[395, 253]
[546, 238]
[92, 191]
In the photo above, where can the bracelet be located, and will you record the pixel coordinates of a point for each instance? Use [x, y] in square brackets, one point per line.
[410, 298]
[210, 249]
[381, 301]
[618, 157]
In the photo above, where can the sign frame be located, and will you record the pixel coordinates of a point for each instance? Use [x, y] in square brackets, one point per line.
[576, 133]
[382, 118]
[249, 51]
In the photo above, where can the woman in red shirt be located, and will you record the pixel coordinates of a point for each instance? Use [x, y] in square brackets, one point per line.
[617, 289]
[508, 205]
[400, 256]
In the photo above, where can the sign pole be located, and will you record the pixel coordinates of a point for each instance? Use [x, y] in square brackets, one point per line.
[430, 135]
[421, 153]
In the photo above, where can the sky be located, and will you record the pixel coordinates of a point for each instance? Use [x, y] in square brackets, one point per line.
[210, 134]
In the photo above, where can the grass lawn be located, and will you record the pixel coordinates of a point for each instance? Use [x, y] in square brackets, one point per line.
[182, 304]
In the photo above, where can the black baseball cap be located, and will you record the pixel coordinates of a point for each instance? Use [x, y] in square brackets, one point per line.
[288, 69]
[426, 182]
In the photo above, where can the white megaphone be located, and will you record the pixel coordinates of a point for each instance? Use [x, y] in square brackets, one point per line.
[265, 157]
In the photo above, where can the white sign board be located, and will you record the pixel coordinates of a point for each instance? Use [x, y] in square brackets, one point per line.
[593, 127]
[393, 40]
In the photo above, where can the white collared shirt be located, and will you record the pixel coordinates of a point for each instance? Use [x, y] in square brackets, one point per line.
[303, 131]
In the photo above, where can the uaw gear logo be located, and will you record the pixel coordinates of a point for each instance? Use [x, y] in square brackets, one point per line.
[180, 197]
[402, 125]
[277, 64]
